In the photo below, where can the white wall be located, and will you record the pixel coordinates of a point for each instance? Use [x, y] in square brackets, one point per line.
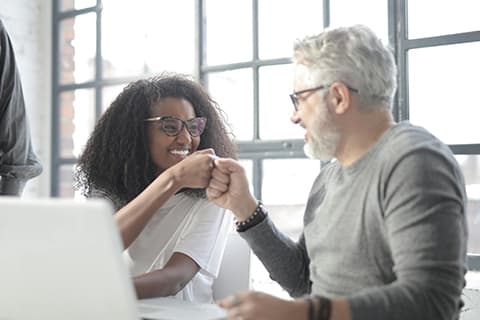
[28, 23]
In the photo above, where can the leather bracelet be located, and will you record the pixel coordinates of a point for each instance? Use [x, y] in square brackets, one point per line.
[324, 308]
[255, 218]
[310, 313]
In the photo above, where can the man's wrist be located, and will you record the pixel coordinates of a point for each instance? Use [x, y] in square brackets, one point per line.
[258, 215]
[246, 210]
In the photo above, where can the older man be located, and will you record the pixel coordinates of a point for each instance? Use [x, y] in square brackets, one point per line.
[384, 227]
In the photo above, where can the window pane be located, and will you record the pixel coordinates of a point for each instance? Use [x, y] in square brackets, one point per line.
[276, 37]
[444, 17]
[77, 118]
[145, 37]
[285, 189]
[470, 165]
[228, 26]
[276, 83]
[233, 90]
[288, 181]
[473, 280]
[76, 4]
[109, 94]
[65, 189]
[372, 13]
[77, 49]
[442, 83]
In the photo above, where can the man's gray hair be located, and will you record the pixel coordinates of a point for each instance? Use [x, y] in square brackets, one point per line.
[352, 55]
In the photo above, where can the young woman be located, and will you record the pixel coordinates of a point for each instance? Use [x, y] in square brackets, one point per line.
[151, 154]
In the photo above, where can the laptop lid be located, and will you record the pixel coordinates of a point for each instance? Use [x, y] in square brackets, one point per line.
[61, 259]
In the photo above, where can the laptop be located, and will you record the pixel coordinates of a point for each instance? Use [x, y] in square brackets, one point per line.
[62, 259]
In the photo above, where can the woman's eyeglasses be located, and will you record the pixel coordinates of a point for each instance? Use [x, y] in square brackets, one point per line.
[173, 126]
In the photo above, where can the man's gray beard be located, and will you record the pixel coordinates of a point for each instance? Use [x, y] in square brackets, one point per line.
[324, 136]
[322, 148]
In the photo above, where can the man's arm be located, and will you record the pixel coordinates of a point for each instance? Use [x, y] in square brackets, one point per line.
[286, 261]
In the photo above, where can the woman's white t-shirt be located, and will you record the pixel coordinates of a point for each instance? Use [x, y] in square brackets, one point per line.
[195, 227]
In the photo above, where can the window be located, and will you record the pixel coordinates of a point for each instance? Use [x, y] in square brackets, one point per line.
[98, 47]
[248, 71]
[250, 83]
[235, 49]
[444, 48]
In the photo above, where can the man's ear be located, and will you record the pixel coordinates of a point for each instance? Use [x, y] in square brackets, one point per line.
[340, 97]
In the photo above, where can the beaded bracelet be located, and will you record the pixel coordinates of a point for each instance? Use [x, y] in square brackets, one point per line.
[255, 218]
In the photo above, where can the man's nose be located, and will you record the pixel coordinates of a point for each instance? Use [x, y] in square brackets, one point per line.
[295, 117]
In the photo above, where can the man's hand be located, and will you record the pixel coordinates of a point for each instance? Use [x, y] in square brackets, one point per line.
[228, 188]
[251, 305]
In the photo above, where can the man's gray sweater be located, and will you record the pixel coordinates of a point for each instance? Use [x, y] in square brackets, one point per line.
[388, 233]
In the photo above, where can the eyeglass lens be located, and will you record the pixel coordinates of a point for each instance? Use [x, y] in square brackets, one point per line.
[173, 126]
[294, 101]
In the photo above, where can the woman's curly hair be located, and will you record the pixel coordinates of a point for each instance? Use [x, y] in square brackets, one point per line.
[116, 160]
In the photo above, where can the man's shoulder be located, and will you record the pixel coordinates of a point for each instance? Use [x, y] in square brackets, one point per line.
[416, 148]
[406, 137]
[406, 129]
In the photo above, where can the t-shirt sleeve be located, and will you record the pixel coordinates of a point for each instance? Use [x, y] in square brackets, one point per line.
[203, 239]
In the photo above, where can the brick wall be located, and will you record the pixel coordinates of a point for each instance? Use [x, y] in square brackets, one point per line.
[29, 25]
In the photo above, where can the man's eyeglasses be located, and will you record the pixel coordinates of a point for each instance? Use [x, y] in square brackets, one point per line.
[294, 96]
[173, 126]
